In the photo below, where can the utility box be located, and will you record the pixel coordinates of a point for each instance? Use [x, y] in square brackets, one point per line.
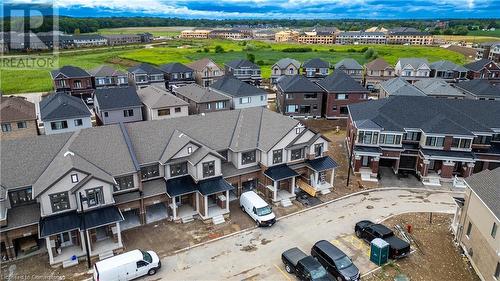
[379, 251]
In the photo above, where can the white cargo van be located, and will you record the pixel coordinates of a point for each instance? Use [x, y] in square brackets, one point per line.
[127, 266]
[257, 208]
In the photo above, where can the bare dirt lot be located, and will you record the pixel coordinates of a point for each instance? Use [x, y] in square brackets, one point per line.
[439, 258]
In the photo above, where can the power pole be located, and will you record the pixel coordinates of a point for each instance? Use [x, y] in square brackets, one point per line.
[350, 159]
[85, 237]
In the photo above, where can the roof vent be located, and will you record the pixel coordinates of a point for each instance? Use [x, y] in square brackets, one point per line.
[69, 153]
[181, 135]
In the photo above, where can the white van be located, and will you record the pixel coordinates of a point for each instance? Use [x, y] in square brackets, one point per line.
[127, 266]
[257, 208]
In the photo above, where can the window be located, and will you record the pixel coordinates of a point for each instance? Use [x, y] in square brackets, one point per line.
[74, 178]
[367, 137]
[21, 125]
[277, 156]
[124, 182]
[342, 96]
[434, 141]
[297, 154]
[482, 140]
[390, 139]
[59, 201]
[292, 108]
[461, 143]
[261, 98]
[209, 105]
[411, 136]
[318, 149]
[94, 196]
[494, 230]
[469, 229]
[128, 113]
[344, 110]
[20, 197]
[78, 122]
[310, 96]
[177, 110]
[6, 127]
[78, 84]
[141, 264]
[248, 157]
[106, 114]
[189, 149]
[289, 96]
[245, 100]
[163, 112]
[297, 131]
[209, 169]
[220, 105]
[59, 125]
[178, 169]
[150, 171]
[497, 271]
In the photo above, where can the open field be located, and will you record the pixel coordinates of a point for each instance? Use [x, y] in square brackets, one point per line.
[184, 51]
[467, 38]
[495, 33]
[168, 31]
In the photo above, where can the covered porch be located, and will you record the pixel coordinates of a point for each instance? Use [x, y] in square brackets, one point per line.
[214, 195]
[281, 183]
[366, 162]
[318, 178]
[184, 203]
[436, 167]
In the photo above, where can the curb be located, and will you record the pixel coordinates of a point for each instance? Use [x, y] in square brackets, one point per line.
[312, 208]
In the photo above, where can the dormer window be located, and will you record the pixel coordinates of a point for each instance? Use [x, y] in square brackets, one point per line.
[74, 178]
[297, 131]
[190, 149]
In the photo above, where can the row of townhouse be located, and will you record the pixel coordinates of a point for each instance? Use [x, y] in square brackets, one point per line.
[436, 139]
[489, 50]
[231, 34]
[136, 173]
[15, 41]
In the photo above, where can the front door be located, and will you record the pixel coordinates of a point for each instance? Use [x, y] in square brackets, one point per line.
[65, 239]
[364, 162]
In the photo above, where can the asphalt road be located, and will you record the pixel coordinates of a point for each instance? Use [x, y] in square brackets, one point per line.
[255, 254]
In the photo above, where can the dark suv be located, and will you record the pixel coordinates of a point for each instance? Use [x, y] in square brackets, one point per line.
[335, 261]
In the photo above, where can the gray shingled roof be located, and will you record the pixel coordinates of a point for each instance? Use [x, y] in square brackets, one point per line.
[339, 81]
[70, 72]
[283, 63]
[438, 87]
[316, 63]
[106, 71]
[156, 97]
[62, 106]
[16, 108]
[200, 94]
[400, 87]
[479, 87]
[378, 64]
[414, 62]
[175, 67]
[145, 68]
[235, 64]
[478, 65]
[297, 84]
[486, 185]
[445, 116]
[117, 98]
[236, 88]
[446, 65]
[348, 63]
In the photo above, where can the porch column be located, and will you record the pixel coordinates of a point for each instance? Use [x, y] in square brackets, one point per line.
[82, 241]
[119, 234]
[425, 168]
[469, 169]
[357, 163]
[205, 198]
[332, 176]
[316, 179]
[293, 186]
[275, 191]
[197, 198]
[174, 208]
[89, 241]
[227, 200]
[49, 249]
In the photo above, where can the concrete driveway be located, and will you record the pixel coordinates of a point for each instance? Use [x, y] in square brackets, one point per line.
[255, 254]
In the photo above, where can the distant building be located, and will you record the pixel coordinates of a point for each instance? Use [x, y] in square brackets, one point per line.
[92, 40]
[62, 113]
[195, 34]
[377, 29]
[201, 99]
[243, 95]
[177, 74]
[448, 71]
[161, 104]
[316, 37]
[489, 50]
[206, 71]
[231, 34]
[145, 73]
[117, 105]
[409, 36]
[352, 68]
[123, 39]
[286, 36]
[361, 37]
[315, 68]
[263, 34]
[483, 69]
[17, 117]
[413, 69]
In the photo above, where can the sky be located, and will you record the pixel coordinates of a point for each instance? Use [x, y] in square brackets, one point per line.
[279, 9]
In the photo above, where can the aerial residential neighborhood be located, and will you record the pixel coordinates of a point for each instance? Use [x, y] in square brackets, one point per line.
[248, 141]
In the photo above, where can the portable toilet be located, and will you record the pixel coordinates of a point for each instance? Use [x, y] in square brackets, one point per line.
[379, 251]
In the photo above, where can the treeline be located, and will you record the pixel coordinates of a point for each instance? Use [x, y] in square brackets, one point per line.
[89, 24]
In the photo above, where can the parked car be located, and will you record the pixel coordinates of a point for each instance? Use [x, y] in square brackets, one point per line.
[336, 262]
[257, 209]
[89, 101]
[303, 266]
[127, 266]
[368, 231]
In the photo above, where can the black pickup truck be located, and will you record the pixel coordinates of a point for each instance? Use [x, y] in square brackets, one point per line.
[368, 231]
[303, 266]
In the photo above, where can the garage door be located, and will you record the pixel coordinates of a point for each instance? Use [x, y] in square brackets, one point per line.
[384, 162]
[408, 162]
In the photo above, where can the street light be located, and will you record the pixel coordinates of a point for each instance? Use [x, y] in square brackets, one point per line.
[85, 229]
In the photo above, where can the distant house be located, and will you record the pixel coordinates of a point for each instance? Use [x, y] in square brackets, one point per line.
[106, 76]
[341, 91]
[361, 37]
[438, 88]
[177, 74]
[448, 70]
[145, 73]
[92, 40]
[352, 68]
[62, 113]
[376, 72]
[298, 96]
[315, 68]
[161, 104]
[122, 39]
[479, 89]
[483, 69]
[117, 105]
[206, 71]
[316, 37]
[284, 67]
[201, 99]
[413, 69]
[244, 70]
[398, 87]
[230, 34]
[72, 80]
[489, 50]
[18, 118]
[195, 34]
[409, 36]
[242, 94]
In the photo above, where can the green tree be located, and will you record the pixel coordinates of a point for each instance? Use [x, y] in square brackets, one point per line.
[219, 49]
[251, 57]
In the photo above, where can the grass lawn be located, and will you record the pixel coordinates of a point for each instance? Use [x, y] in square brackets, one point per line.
[184, 51]
[495, 33]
